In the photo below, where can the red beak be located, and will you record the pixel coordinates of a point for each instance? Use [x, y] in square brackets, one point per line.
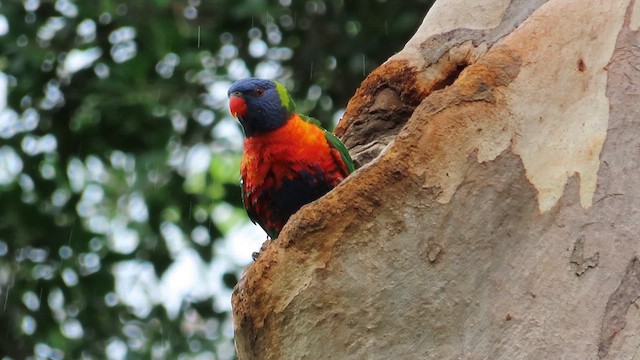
[238, 106]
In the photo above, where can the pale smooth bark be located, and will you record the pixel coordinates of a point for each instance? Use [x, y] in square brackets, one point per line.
[497, 211]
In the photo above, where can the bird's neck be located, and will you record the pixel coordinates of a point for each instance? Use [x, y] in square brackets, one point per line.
[264, 122]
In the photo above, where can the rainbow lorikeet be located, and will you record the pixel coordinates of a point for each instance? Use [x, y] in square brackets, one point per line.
[288, 159]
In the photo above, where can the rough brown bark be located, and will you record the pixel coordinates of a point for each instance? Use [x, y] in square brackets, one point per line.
[498, 213]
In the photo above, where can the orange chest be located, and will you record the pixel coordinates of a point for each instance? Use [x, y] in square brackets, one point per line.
[284, 152]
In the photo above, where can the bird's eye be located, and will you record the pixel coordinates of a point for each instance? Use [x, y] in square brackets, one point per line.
[259, 91]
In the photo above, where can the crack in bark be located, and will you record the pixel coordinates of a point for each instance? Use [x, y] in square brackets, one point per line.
[614, 319]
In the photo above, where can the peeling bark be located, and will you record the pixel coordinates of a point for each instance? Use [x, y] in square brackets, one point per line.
[582, 263]
[497, 207]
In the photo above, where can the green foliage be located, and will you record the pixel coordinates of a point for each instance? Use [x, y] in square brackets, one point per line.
[119, 160]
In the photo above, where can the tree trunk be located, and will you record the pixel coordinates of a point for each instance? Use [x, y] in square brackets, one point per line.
[497, 211]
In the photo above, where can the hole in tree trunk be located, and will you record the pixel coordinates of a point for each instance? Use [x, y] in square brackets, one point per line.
[450, 78]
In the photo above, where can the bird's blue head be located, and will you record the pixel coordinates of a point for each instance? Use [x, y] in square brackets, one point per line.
[260, 105]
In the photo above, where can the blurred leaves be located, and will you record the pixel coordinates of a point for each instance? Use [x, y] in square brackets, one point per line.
[119, 162]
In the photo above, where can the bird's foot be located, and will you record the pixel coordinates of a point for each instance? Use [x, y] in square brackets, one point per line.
[256, 254]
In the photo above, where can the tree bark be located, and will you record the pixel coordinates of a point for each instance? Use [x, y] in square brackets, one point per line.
[497, 211]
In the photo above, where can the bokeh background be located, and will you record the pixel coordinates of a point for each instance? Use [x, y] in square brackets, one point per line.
[121, 227]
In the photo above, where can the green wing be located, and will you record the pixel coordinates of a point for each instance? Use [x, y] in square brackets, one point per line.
[335, 142]
[344, 153]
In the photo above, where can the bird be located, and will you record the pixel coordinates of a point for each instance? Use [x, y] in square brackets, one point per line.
[288, 159]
